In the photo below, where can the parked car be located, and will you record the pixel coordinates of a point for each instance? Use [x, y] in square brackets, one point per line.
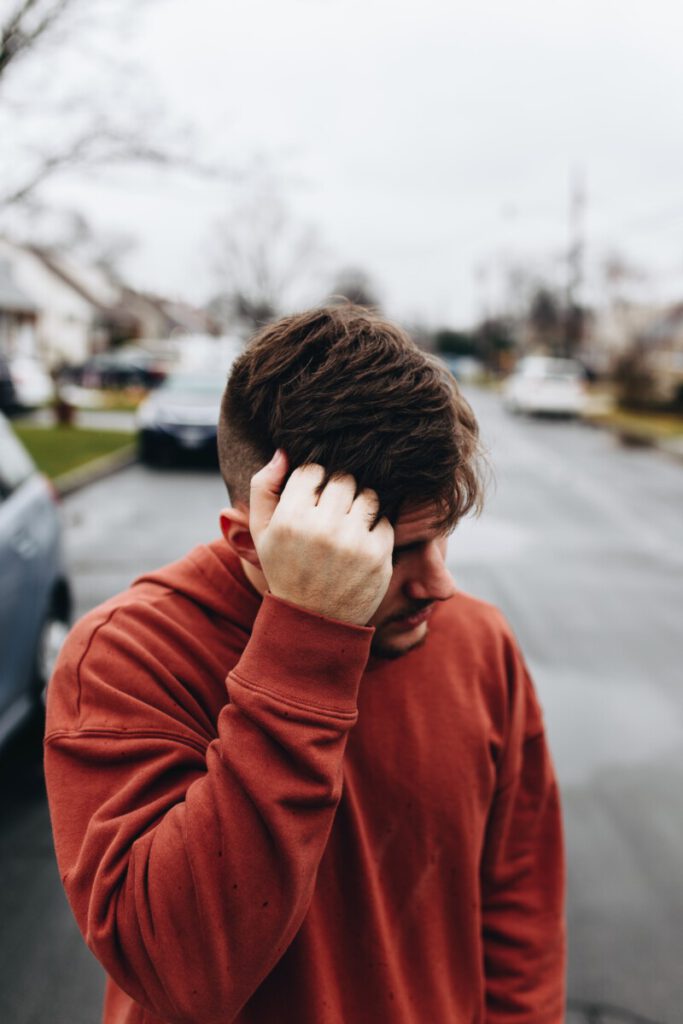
[543, 385]
[7, 396]
[24, 384]
[465, 369]
[33, 385]
[35, 597]
[121, 368]
[181, 417]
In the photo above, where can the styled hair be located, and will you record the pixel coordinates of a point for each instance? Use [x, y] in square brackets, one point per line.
[344, 388]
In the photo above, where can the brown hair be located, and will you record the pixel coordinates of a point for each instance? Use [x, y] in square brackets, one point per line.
[344, 388]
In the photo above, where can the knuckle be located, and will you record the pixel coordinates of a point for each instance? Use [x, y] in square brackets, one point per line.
[343, 483]
[370, 496]
[310, 469]
[346, 479]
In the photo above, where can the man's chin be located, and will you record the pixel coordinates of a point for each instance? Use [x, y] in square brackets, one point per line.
[389, 644]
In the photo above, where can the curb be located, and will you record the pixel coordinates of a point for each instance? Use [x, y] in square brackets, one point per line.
[98, 469]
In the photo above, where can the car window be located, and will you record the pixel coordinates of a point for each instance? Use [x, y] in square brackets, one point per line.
[188, 383]
[550, 369]
[15, 462]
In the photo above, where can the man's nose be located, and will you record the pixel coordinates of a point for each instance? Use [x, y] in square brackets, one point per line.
[431, 580]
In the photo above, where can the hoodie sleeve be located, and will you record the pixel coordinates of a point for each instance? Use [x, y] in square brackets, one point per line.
[190, 865]
[523, 876]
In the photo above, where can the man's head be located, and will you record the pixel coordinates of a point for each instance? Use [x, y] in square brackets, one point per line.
[350, 391]
[345, 389]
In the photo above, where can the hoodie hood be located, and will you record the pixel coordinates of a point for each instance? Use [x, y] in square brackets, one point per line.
[211, 576]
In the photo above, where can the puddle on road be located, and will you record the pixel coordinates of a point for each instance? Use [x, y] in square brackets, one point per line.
[595, 724]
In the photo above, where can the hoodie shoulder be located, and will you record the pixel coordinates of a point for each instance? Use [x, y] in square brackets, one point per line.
[169, 639]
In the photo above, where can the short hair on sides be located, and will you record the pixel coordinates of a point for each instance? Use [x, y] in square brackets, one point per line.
[342, 387]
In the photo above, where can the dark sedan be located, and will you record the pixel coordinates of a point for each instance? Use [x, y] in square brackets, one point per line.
[180, 418]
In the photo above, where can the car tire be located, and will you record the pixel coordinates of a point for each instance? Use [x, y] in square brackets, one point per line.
[148, 453]
[52, 635]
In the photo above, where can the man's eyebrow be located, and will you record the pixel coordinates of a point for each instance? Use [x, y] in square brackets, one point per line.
[410, 544]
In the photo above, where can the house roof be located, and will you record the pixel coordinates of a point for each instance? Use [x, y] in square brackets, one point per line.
[88, 282]
[180, 316]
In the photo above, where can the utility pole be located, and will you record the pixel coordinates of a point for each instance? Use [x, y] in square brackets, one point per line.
[573, 320]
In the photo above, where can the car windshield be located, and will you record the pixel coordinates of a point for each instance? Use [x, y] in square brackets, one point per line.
[195, 384]
[552, 369]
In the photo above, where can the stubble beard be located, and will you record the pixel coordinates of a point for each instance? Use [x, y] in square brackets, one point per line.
[387, 649]
[389, 653]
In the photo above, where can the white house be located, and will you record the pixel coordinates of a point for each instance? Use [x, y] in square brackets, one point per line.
[64, 318]
[64, 310]
[18, 316]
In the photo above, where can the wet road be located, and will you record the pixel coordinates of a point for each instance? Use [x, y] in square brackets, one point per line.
[582, 547]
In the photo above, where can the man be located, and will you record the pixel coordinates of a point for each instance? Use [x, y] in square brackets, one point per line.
[297, 776]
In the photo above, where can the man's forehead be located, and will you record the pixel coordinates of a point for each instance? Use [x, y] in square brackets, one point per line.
[417, 523]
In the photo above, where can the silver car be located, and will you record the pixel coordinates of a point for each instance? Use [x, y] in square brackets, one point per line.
[35, 598]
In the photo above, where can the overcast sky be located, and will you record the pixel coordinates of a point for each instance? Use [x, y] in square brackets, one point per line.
[432, 143]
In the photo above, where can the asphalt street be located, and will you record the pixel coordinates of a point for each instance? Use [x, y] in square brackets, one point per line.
[581, 545]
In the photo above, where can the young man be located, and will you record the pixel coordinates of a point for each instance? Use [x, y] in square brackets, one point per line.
[297, 776]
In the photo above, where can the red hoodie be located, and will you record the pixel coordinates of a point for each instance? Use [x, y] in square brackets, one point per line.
[320, 838]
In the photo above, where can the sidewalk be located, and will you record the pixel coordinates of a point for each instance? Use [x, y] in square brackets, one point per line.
[94, 419]
[97, 469]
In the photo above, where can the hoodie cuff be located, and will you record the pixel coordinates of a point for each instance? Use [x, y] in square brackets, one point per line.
[305, 657]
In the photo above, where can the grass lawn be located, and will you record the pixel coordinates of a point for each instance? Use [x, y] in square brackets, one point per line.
[56, 450]
[646, 424]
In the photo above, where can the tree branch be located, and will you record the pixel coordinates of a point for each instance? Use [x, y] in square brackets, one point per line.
[17, 35]
[107, 148]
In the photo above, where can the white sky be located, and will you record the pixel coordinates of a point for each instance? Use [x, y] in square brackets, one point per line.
[431, 143]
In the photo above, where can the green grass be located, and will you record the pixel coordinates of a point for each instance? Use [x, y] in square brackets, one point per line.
[652, 425]
[115, 400]
[56, 450]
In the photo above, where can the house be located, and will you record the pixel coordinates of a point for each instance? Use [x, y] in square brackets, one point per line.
[159, 317]
[62, 311]
[18, 316]
[613, 331]
[661, 344]
[68, 321]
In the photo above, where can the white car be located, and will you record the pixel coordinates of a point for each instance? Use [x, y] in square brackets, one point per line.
[33, 386]
[543, 385]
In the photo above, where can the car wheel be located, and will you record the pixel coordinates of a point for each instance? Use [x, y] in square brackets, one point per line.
[52, 635]
[147, 452]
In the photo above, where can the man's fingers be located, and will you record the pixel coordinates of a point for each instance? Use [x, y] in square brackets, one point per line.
[384, 532]
[266, 486]
[338, 495]
[366, 505]
[301, 491]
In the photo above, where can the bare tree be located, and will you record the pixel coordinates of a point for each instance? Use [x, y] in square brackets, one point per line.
[66, 103]
[25, 25]
[264, 260]
[353, 284]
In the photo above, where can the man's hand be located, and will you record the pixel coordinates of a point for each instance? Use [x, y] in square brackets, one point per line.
[325, 553]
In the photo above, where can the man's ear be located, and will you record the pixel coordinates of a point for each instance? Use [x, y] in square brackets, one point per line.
[235, 529]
